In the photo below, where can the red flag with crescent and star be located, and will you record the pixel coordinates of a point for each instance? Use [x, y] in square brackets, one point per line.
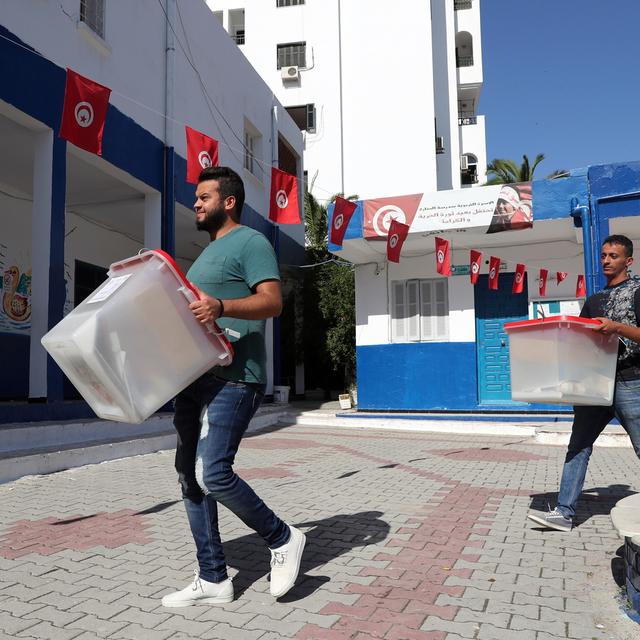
[283, 200]
[475, 258]
[494, 271]
[581, 287]
[84, 112]
[518, 278]
[443, 257]
[202, 152]
[397, 235]
[342, 212]
[542, 286]
[561, 275]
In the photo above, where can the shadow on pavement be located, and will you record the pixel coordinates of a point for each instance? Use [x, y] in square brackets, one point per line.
[595, 501]
[326, 540]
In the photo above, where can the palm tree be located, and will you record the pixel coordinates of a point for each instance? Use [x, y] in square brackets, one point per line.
[501, 171]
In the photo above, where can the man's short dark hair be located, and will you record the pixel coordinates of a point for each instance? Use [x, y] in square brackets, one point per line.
[622, 241]
[229, 183]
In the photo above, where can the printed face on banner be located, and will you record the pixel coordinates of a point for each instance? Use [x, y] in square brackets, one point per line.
[378, 214]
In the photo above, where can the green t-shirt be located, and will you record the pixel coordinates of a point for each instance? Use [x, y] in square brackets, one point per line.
[228, 268]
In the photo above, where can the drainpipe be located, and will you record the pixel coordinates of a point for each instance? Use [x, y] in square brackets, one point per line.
[168, 176]
[581, 214]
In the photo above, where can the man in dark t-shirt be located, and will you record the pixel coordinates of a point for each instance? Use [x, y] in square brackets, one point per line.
[617, 307]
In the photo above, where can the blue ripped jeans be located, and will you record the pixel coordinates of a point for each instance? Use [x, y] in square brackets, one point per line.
[588, 424]
[211, 416]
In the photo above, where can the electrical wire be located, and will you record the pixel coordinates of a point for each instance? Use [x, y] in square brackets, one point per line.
[234, 150]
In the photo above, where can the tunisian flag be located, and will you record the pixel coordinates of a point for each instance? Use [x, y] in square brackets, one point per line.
[443, 257]
[474, 265]
[342, 212]
[518, 278]
[543, 282]
[494, 270]
[283, 201]
[581, 287]
[397, 235]
[561, 275]
[202, 152]
[84, 112]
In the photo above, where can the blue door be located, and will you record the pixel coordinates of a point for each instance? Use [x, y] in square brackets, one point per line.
[493, 310]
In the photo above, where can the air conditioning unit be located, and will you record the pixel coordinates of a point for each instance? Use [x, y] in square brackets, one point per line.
[464, 163]
[439, 144]
[290, 73]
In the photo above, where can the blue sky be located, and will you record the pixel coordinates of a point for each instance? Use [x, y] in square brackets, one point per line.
[561, 77]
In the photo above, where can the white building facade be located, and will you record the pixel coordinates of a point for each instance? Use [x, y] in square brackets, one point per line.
[66, 214]
[386, 94]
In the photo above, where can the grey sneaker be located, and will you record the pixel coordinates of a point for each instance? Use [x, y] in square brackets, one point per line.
[551, 519]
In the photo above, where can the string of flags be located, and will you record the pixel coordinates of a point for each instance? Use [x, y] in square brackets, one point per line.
[84, 115]
[399, 231]
[443, 267]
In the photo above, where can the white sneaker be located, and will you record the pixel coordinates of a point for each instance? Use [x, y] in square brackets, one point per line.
[200, 592]
[285, 563]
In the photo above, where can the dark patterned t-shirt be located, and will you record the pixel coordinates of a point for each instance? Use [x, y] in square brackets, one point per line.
[621, 303]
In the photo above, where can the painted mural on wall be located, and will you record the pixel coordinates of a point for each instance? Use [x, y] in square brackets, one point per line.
[15, 292]
[488, 209]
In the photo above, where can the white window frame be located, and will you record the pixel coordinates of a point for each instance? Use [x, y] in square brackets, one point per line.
[252, 150]
[419, 310]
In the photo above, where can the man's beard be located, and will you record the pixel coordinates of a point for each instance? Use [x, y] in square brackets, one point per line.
[213, 220]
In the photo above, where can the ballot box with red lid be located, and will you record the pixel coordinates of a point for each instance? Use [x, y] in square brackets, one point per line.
[561, 360]
[134, 343]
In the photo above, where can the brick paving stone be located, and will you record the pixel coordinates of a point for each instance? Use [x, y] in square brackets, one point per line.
[415, 544]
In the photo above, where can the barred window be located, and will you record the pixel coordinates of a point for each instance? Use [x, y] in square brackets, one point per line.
[292, 54]
[92, 14]
[288, 3]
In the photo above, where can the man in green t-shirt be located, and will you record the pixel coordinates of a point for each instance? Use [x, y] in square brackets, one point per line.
[239, 286]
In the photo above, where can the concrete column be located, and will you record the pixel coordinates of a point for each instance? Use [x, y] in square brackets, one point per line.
[152, 220]
[47, 261]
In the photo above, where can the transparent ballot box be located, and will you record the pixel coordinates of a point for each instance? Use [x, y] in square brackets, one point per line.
[561, 360]
[133, 344]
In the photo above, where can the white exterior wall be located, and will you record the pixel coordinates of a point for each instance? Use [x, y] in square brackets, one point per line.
[373, 307]
[469, 20]
[391, 70]
[131, 61]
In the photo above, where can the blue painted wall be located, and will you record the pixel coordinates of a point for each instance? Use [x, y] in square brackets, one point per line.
[415, 376]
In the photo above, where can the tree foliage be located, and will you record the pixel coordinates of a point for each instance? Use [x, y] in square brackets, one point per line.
[329, 305]
[503, 171]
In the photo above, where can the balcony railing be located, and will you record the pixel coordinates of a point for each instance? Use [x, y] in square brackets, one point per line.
[467, 120]
[238, 37]
[464, 61]
[462, 4]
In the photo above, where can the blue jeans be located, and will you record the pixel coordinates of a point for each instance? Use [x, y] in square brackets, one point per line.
[588, 423]
[211, 416]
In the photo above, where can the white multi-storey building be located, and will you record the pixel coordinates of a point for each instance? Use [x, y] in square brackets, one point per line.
[386, 94]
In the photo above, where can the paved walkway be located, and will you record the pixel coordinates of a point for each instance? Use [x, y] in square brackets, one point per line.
[410, 536]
